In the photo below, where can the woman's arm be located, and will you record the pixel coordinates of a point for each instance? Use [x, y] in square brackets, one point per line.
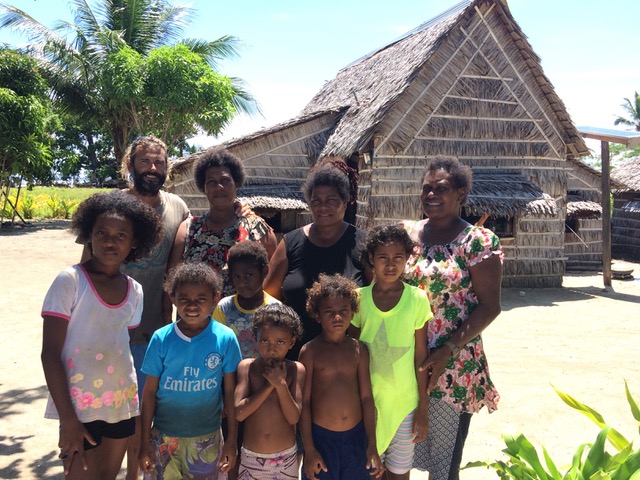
[269, 242]
[278, 268]
[72, 431]
[486, 277]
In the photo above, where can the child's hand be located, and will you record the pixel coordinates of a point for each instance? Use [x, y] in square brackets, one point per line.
[71, 443]
[146, 458]
[374, 464]
[313, 463]
[275, 373]
[420, 425]
[228, 457]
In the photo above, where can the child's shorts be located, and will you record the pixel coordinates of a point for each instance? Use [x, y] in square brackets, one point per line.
[281, 465]
[344, 453]
[398, 457]
[99, 429]
[180, 458]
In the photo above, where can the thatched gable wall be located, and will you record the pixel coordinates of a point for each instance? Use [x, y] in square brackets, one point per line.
[280, 155]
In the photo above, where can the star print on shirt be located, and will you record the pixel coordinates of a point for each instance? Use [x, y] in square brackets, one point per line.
[383, 355]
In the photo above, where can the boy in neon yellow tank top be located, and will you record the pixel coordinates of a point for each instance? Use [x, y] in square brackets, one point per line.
[392, 323]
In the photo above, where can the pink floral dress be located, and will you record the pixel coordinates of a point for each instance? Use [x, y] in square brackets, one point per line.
[443, 272]
[204, 245]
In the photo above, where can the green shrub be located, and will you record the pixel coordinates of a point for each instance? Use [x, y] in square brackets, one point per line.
[590, 462]
[27, 206]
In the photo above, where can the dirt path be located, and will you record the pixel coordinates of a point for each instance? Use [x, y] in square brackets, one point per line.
[578, 338]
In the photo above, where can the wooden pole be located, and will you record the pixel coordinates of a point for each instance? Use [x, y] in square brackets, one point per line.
[606, 215]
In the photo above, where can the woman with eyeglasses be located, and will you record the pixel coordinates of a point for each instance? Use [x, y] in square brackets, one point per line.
[460, 267]
[327, 245]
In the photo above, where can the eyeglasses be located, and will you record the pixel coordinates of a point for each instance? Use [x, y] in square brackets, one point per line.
[438, 189]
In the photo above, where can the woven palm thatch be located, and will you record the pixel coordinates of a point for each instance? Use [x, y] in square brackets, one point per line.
[628, 174]
[273, 197]
[578, 208]
[506, 195]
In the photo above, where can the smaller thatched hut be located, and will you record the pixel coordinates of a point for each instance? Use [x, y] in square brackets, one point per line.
[625, 222]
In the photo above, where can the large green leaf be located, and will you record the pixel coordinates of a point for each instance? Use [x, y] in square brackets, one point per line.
[525, 450]
[597, 459]
[635, 411]
[615, 437]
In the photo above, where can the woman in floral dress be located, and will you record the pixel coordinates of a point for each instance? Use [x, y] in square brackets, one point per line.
[208, 237]
[460, 267]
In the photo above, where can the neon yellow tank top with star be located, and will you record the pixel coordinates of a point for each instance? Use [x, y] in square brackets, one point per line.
[390, 338]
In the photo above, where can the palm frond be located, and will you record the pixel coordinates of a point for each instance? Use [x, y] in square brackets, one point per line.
[243, 101]
[227, 47]
[21, 22]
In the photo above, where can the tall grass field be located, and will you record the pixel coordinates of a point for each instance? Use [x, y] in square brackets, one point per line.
[45, 202]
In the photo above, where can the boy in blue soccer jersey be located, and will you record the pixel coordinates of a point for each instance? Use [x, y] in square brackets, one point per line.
[185, 364]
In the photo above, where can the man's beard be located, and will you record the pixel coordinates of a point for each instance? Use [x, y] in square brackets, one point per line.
[145, 188]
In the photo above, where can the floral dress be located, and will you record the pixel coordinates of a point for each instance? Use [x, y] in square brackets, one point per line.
[443, 272]
[204, 245]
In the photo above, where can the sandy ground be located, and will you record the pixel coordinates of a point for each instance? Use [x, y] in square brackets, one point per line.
[581, 339]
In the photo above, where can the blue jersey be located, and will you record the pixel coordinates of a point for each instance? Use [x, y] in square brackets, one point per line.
[190, 369]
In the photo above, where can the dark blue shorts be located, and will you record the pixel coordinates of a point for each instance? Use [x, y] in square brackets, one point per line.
[344, 453]
[99, 429]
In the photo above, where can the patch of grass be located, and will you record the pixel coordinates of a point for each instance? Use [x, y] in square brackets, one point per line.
[51, 202]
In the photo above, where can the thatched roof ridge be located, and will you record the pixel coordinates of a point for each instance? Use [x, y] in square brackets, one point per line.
[506, 195]
[279, 197]
[579, 208]
[628, 175]
[370, 86]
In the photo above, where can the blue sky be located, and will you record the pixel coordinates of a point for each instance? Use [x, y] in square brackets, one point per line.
[588, 49]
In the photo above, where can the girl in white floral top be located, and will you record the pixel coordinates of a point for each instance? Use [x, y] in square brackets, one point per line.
[459, 266]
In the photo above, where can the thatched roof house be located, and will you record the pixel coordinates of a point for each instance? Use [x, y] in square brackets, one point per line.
[466, 83]
[625, 221]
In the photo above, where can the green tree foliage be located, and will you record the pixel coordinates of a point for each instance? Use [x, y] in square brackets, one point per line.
[99, 67]
[26, 118]
[633, 111]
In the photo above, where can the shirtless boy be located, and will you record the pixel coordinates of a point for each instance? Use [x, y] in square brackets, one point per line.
[268, 397]
[338, 414]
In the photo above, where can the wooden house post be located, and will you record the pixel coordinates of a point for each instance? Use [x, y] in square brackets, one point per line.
[606, 214]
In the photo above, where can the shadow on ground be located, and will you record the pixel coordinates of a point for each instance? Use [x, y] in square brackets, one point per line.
[43, 467]
[16, 401]
[548, 297]
[19, 228]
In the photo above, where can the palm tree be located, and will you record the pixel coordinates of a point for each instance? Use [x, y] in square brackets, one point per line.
[633, 109]
[74, 54]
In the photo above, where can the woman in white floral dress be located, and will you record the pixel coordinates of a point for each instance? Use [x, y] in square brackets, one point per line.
[460, 267]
